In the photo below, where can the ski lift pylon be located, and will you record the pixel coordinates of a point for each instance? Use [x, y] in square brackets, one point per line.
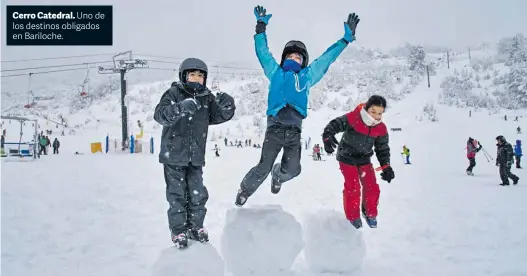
[85, 84]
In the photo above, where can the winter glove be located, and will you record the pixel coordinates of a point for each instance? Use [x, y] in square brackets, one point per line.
[350, 26]
[387, 174]
[188, 106]
[330, 142]
[224, 100]
[261, 16]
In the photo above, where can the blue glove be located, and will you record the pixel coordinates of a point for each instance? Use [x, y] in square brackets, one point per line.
[260, 14]
[350, 27]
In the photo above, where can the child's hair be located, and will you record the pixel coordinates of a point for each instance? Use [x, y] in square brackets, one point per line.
[375, 100]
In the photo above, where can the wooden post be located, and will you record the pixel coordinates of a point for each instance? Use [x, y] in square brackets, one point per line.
[428, 74]
[448, 59]
[469, 57]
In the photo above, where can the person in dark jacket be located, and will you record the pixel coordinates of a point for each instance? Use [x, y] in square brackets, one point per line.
[473, 147]
[290, 82]
[185, 111]
[56, 146]
[364, 132]
[518, 153]
[504, 160]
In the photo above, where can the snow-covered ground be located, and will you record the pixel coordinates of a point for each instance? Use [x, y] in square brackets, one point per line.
[105, 214]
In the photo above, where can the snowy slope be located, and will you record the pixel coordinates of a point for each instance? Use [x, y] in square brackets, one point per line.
[105, 214]
[100, 217]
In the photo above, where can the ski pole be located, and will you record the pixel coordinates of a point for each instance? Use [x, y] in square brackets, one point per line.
[486, 153]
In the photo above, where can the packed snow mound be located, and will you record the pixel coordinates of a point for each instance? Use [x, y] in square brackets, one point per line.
[262, 241]
[333, 245]
[197, 259]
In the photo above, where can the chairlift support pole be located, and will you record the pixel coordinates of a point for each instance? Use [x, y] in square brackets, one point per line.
[122, 66]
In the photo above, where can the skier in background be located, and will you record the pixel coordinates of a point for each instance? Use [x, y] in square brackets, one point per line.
[406, 155]
[473, 147]
[364, 132]
[217, 150]
[290, 82]
[56, 146]
[518, 130]
[504, 160]
[185, 111]
[518, 153]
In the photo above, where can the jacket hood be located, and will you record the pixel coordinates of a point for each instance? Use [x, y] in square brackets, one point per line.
[518, 142]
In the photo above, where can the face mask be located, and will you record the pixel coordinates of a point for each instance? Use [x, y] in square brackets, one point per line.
[194, 87]
[291, 65]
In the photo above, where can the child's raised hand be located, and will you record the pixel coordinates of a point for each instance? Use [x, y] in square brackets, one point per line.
[260, 13]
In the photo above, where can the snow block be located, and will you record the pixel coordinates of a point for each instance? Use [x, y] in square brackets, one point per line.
[197, 259]
[263, 240]
[333, 245]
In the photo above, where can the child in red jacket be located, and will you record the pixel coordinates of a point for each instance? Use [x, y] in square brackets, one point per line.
[364, 132]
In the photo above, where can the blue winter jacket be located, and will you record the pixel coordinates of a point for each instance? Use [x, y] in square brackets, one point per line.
[287, 87]
[518, 148]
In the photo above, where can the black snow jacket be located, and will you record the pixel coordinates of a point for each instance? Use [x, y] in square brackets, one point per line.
[359, 140]
[184, 138]
[505, 154]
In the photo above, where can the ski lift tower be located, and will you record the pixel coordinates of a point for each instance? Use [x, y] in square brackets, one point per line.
[122, 64]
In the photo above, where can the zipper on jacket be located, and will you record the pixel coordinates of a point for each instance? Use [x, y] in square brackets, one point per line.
[368, 135]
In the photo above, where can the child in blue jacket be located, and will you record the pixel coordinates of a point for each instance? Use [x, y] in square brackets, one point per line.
[518, 153]
[290, 81]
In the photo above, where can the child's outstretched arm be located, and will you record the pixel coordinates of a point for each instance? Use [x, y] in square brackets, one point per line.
[337, 125]
[222, 109]
[265, 57]
[168, 111]
[318, 68]
[382, 149]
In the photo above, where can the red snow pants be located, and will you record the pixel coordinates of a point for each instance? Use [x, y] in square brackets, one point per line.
[354, 177]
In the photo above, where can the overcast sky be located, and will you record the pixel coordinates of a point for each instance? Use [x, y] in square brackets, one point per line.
[223, 30]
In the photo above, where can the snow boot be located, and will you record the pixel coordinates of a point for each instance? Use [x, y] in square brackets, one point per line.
[180, 240]
[198, 234]
[241, 198]
[275, 182]
[502, 184]
[357, 223]
[371, 221]
[515, 181]
[470, 173]
[275, 186]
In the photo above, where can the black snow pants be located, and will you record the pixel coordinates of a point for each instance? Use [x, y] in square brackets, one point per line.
[275, 139]
[505, 174]
[518, 159]
[472, 164]
[186, 196]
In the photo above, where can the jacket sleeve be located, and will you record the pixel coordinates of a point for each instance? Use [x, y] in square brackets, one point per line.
[382, 149]
[167, 110]
[318, 68]
[219, 115]
[265, 57]
[337, 125]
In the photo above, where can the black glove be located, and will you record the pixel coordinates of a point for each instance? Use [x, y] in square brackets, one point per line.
[330, 142]
[224, 100]
[188, 106]
[387, 174]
